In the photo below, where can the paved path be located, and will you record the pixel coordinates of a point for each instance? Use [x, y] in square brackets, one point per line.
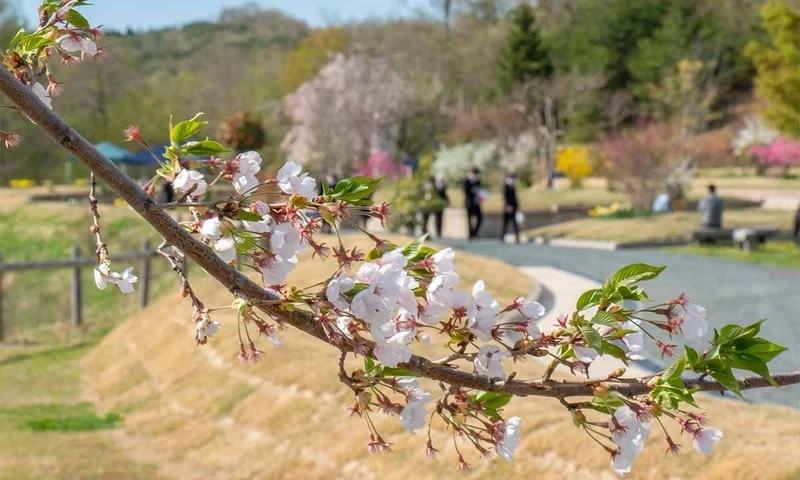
[732, 292]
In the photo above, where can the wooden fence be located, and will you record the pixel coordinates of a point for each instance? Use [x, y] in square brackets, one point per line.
[76, 263]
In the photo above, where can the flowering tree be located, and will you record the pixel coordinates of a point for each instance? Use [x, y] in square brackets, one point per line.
[379, 305]
[453, 163]
[779, 153]
[349, 110]
[641, 160]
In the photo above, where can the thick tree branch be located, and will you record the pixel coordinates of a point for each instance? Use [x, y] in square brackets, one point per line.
[243, 287]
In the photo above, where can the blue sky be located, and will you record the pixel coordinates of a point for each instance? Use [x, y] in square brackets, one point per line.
[147, 14]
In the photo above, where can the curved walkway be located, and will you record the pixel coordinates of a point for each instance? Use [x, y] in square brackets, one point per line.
[732, 292]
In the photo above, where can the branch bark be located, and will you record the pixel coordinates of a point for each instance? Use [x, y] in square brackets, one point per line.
[241, 286]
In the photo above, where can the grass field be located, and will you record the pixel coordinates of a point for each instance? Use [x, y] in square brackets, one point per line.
[672, 226]
[776, 254]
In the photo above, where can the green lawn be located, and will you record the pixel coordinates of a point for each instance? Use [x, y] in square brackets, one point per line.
[48, 429]
[778, 254]
[672, 226]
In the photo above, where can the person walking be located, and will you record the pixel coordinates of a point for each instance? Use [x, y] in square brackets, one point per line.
[510, 207]
[472, 202]
[710, 208]
[435, 197]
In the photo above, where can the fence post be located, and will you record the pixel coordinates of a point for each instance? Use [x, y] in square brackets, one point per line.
[77, 305]
[144, 274]
[2, 330]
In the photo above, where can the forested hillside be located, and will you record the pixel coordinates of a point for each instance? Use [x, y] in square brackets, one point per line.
[466, 70]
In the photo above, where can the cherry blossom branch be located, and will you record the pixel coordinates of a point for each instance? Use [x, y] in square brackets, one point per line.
[244, 288]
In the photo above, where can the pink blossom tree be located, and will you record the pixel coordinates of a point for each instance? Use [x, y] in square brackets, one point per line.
[350, 109]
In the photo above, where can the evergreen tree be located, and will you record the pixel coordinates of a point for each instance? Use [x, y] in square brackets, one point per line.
[525, 56]
[778, 67]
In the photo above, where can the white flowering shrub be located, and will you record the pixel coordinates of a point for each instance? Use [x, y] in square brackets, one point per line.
[379, 305]
[453, 163]
[754, 132]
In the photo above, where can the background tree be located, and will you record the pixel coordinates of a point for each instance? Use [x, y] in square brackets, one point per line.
[778, 67]
[242, 131]
[524, 56]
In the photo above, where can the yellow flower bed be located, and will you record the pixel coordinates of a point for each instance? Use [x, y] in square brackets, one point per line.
[21, 183]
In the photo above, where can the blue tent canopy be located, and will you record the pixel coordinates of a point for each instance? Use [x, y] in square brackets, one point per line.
[145, 158]
[114, 153]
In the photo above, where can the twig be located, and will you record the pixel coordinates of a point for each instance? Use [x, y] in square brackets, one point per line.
[101, 253]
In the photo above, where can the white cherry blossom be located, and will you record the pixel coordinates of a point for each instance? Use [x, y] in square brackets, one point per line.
[704, 439]
[292, 182]
[508, 445]
[487, 362]
[413, 416]
[186, 179]
[440, 290]
[336, 287]
[225, 248]
[75, 42]
[482, 311]
[124, 281]
[285, 240]
[585, 354]
[443, 261]
[275, 270]
[211, 228]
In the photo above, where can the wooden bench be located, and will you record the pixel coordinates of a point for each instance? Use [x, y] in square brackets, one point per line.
[748, 238]
[706, 235]
[745, 238]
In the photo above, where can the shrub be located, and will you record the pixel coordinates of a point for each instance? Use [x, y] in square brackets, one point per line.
[574, 163]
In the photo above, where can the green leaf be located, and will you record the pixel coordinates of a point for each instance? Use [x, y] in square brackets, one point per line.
[246, 242]
[606, 404]
[411, 251]
[589, 299]
[19, 36]
[613, 350]
[693, 358]
[763, 349]
[744, 361]
[675, 369]
[397, 372]
[369, 364]
[355, 189]
[204, 147]
[492, 401]
[732, 333]
[635, 273]
[605, 318]
[592, 336]
[76, 19]
[633, 293]
[248, 216]
[725, 377]
[34, 42]
[185, 129]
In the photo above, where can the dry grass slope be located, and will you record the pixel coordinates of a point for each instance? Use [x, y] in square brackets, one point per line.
[198, 414]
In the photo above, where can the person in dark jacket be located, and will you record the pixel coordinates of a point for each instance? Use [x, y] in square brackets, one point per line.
[510, 207]
[797, 227]
[472, 202]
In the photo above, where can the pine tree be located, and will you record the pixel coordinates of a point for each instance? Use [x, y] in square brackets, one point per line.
[525, 56]
[778, 67]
